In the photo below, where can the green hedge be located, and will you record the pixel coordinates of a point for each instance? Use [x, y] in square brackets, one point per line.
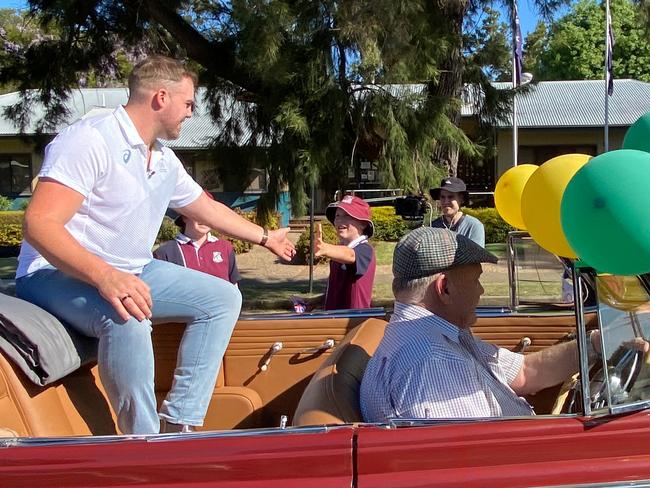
[5, 203]
[302, 246]
[388, 227]
[11, 234]
[11, 228]
[168, 230]
[496, 229]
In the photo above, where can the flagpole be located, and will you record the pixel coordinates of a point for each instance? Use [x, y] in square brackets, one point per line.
[515, 74]
[608, 61]
[515, 138]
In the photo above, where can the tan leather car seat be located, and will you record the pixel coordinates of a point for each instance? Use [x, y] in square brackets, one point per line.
[332, 395]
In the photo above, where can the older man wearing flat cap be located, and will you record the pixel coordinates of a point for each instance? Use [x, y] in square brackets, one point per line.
[428, 364]
[452, 194]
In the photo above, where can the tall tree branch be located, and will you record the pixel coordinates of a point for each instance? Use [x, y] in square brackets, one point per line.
[218, 57]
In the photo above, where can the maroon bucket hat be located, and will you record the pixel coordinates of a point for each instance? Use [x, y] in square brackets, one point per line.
[356, 208]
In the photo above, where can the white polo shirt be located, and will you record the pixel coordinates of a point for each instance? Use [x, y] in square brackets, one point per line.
[105, 159]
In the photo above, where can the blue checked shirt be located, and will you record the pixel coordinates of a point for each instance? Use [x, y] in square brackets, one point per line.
[426, 367]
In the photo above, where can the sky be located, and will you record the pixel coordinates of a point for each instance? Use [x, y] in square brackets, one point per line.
[527, 16]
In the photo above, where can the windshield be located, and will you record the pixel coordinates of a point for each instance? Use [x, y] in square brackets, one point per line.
[622, 376]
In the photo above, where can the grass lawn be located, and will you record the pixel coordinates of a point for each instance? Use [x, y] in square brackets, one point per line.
[383, 251]
[260, 296]
[498, 249]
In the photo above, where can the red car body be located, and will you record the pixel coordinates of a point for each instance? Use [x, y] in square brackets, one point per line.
[603, 443]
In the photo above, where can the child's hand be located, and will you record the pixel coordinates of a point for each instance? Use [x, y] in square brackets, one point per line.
[319, 245]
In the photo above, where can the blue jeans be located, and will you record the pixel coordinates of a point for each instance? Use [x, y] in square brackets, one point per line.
[210, 306]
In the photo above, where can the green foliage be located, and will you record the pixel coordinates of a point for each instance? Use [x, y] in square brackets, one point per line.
[575, 46]
[11, 228]
[302, 246]
[388, 226]
[320, 74]
[167, 230]
[496, 229]
[5, 203]
[272, 222]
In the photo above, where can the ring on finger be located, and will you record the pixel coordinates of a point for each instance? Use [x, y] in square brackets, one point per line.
[125, 297]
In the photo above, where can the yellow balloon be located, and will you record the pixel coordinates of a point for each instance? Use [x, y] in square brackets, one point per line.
[541, 199]
[507, 194]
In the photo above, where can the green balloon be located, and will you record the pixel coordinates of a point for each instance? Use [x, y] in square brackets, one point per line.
[605, 212]
[638, 135]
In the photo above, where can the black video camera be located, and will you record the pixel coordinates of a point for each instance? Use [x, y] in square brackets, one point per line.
[411, 207]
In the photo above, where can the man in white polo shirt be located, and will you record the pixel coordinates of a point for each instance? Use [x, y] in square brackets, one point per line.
[104, 187]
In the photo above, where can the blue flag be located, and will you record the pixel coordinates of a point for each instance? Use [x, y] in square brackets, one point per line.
[516, 33]
[610, 56]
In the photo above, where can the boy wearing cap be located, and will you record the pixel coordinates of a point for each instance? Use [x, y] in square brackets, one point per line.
[452, 194]
[352, 262]
[428, 364]
[195, 247]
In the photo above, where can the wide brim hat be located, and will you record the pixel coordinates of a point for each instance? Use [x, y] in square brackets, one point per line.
[454, 185]
[426, 251]
[355, 207]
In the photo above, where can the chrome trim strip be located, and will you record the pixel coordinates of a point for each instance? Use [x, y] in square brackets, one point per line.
[321, 314]
[406, 422]
[175, 437]
[380, 312]
[607, 484]
[582, 341]
[630, 407]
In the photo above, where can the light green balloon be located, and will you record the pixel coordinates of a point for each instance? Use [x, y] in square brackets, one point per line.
[605, 212]
[638, 135]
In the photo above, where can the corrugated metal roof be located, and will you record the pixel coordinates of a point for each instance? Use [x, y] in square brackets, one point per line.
[548, 104]
[557, 104]
[197, 132]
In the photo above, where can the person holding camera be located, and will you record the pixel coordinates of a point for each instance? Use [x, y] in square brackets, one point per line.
[452, 194]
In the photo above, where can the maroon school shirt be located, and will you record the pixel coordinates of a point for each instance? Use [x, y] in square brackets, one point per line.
[350, 285]
[215, 256]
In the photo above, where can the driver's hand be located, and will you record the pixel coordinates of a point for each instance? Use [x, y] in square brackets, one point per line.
[638, 344]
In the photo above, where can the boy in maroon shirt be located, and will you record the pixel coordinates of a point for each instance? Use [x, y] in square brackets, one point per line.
[196, 248]
[352, 262]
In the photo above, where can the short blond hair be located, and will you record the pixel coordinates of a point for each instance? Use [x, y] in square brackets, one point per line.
[156, 71]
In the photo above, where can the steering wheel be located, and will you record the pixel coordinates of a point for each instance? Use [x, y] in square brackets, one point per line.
[623, 371]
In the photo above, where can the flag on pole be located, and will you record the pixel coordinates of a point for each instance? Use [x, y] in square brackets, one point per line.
[609, 55]
[516, 33]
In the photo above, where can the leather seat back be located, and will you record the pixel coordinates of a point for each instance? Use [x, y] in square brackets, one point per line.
[332, 395]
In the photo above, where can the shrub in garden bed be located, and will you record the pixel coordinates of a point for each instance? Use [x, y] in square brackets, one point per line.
[388, 227]
[168, 230]
[11, 233]
[496, 229]
[302, 246]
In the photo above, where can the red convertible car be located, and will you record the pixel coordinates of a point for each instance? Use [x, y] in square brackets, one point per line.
[285, 411]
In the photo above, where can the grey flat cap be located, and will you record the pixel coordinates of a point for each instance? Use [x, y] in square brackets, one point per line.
[426, 251]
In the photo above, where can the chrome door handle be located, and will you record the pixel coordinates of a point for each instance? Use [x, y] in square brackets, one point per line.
[524, 344]
[328, 344]
[266, 359]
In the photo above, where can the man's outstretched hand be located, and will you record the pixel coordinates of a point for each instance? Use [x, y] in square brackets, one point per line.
[280, 245]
